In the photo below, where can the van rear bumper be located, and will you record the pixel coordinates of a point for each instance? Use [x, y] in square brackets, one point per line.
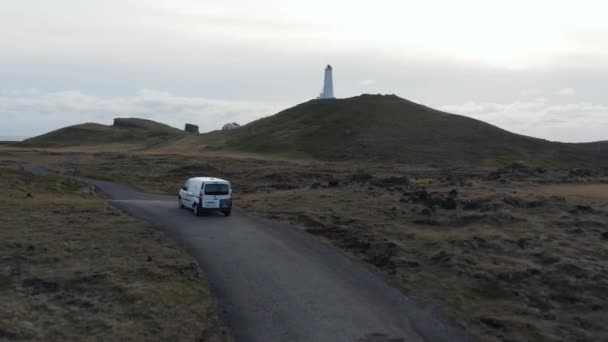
[224, 205]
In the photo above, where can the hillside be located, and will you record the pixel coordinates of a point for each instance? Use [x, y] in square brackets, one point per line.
[125, 131]
[388, 128]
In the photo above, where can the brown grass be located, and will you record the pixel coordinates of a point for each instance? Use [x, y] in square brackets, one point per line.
[510, 273]
[514, 254]
[73, 268]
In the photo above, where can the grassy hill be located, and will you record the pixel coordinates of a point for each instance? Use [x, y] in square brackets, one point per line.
[124, 131]
[389, 128]
[367, 127]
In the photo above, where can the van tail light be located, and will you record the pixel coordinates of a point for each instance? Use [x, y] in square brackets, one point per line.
[201, 195]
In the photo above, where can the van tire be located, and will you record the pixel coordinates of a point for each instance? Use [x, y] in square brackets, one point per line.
[181, 204]
[227, 213]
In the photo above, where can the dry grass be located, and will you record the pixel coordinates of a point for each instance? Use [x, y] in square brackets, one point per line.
[388, 128]
[518, 254]
[144, 133]
[509, 273]
[73, 269]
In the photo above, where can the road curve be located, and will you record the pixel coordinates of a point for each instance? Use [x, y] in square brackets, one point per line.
[277, 283]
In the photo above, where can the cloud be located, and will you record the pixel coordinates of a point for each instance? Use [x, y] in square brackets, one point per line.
[574, 122]
[32, 112]
[366, 83]
[566, 92]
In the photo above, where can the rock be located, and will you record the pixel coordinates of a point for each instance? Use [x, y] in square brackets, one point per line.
[515, 171]
[582, 209]
[467, 219]
[441, 256]
[546, 259]
[427, 222]
[425, 212]
[479, 240]
[568, 298]
[433, 199]
[38, 286]
[190, 128]
[7, 335]
[333, 182]
[573, 270]
[604, 235]
[421, 195]
[501, 218]
[315, 185]
[391, 182]
[466, 183]
[360, 177]
[380, 260]
[448, 203]
[481, 204]
[473, 204]
[574, 231]
[492, 322]
[577, 223]
[521, 203]
[583, 173]
[522, 243]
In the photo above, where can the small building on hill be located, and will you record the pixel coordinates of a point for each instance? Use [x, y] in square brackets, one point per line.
[190, 128]
[230, 125]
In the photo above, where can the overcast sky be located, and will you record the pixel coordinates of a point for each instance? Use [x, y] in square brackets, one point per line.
[538, 67]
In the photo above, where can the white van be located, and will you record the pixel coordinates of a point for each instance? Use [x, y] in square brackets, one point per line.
[206, 194]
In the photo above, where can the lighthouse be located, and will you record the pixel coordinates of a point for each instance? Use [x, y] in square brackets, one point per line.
[328, 85]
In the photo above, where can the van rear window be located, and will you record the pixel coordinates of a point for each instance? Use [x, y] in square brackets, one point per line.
[216, 189]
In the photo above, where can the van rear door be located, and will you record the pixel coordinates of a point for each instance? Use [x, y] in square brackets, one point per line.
[214, 193]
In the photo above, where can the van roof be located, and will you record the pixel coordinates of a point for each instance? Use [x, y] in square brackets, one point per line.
[210, 179]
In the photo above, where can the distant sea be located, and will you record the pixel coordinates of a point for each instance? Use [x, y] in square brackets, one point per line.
[12, 138]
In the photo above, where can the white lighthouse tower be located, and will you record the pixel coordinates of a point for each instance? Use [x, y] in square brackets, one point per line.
[328, 84]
